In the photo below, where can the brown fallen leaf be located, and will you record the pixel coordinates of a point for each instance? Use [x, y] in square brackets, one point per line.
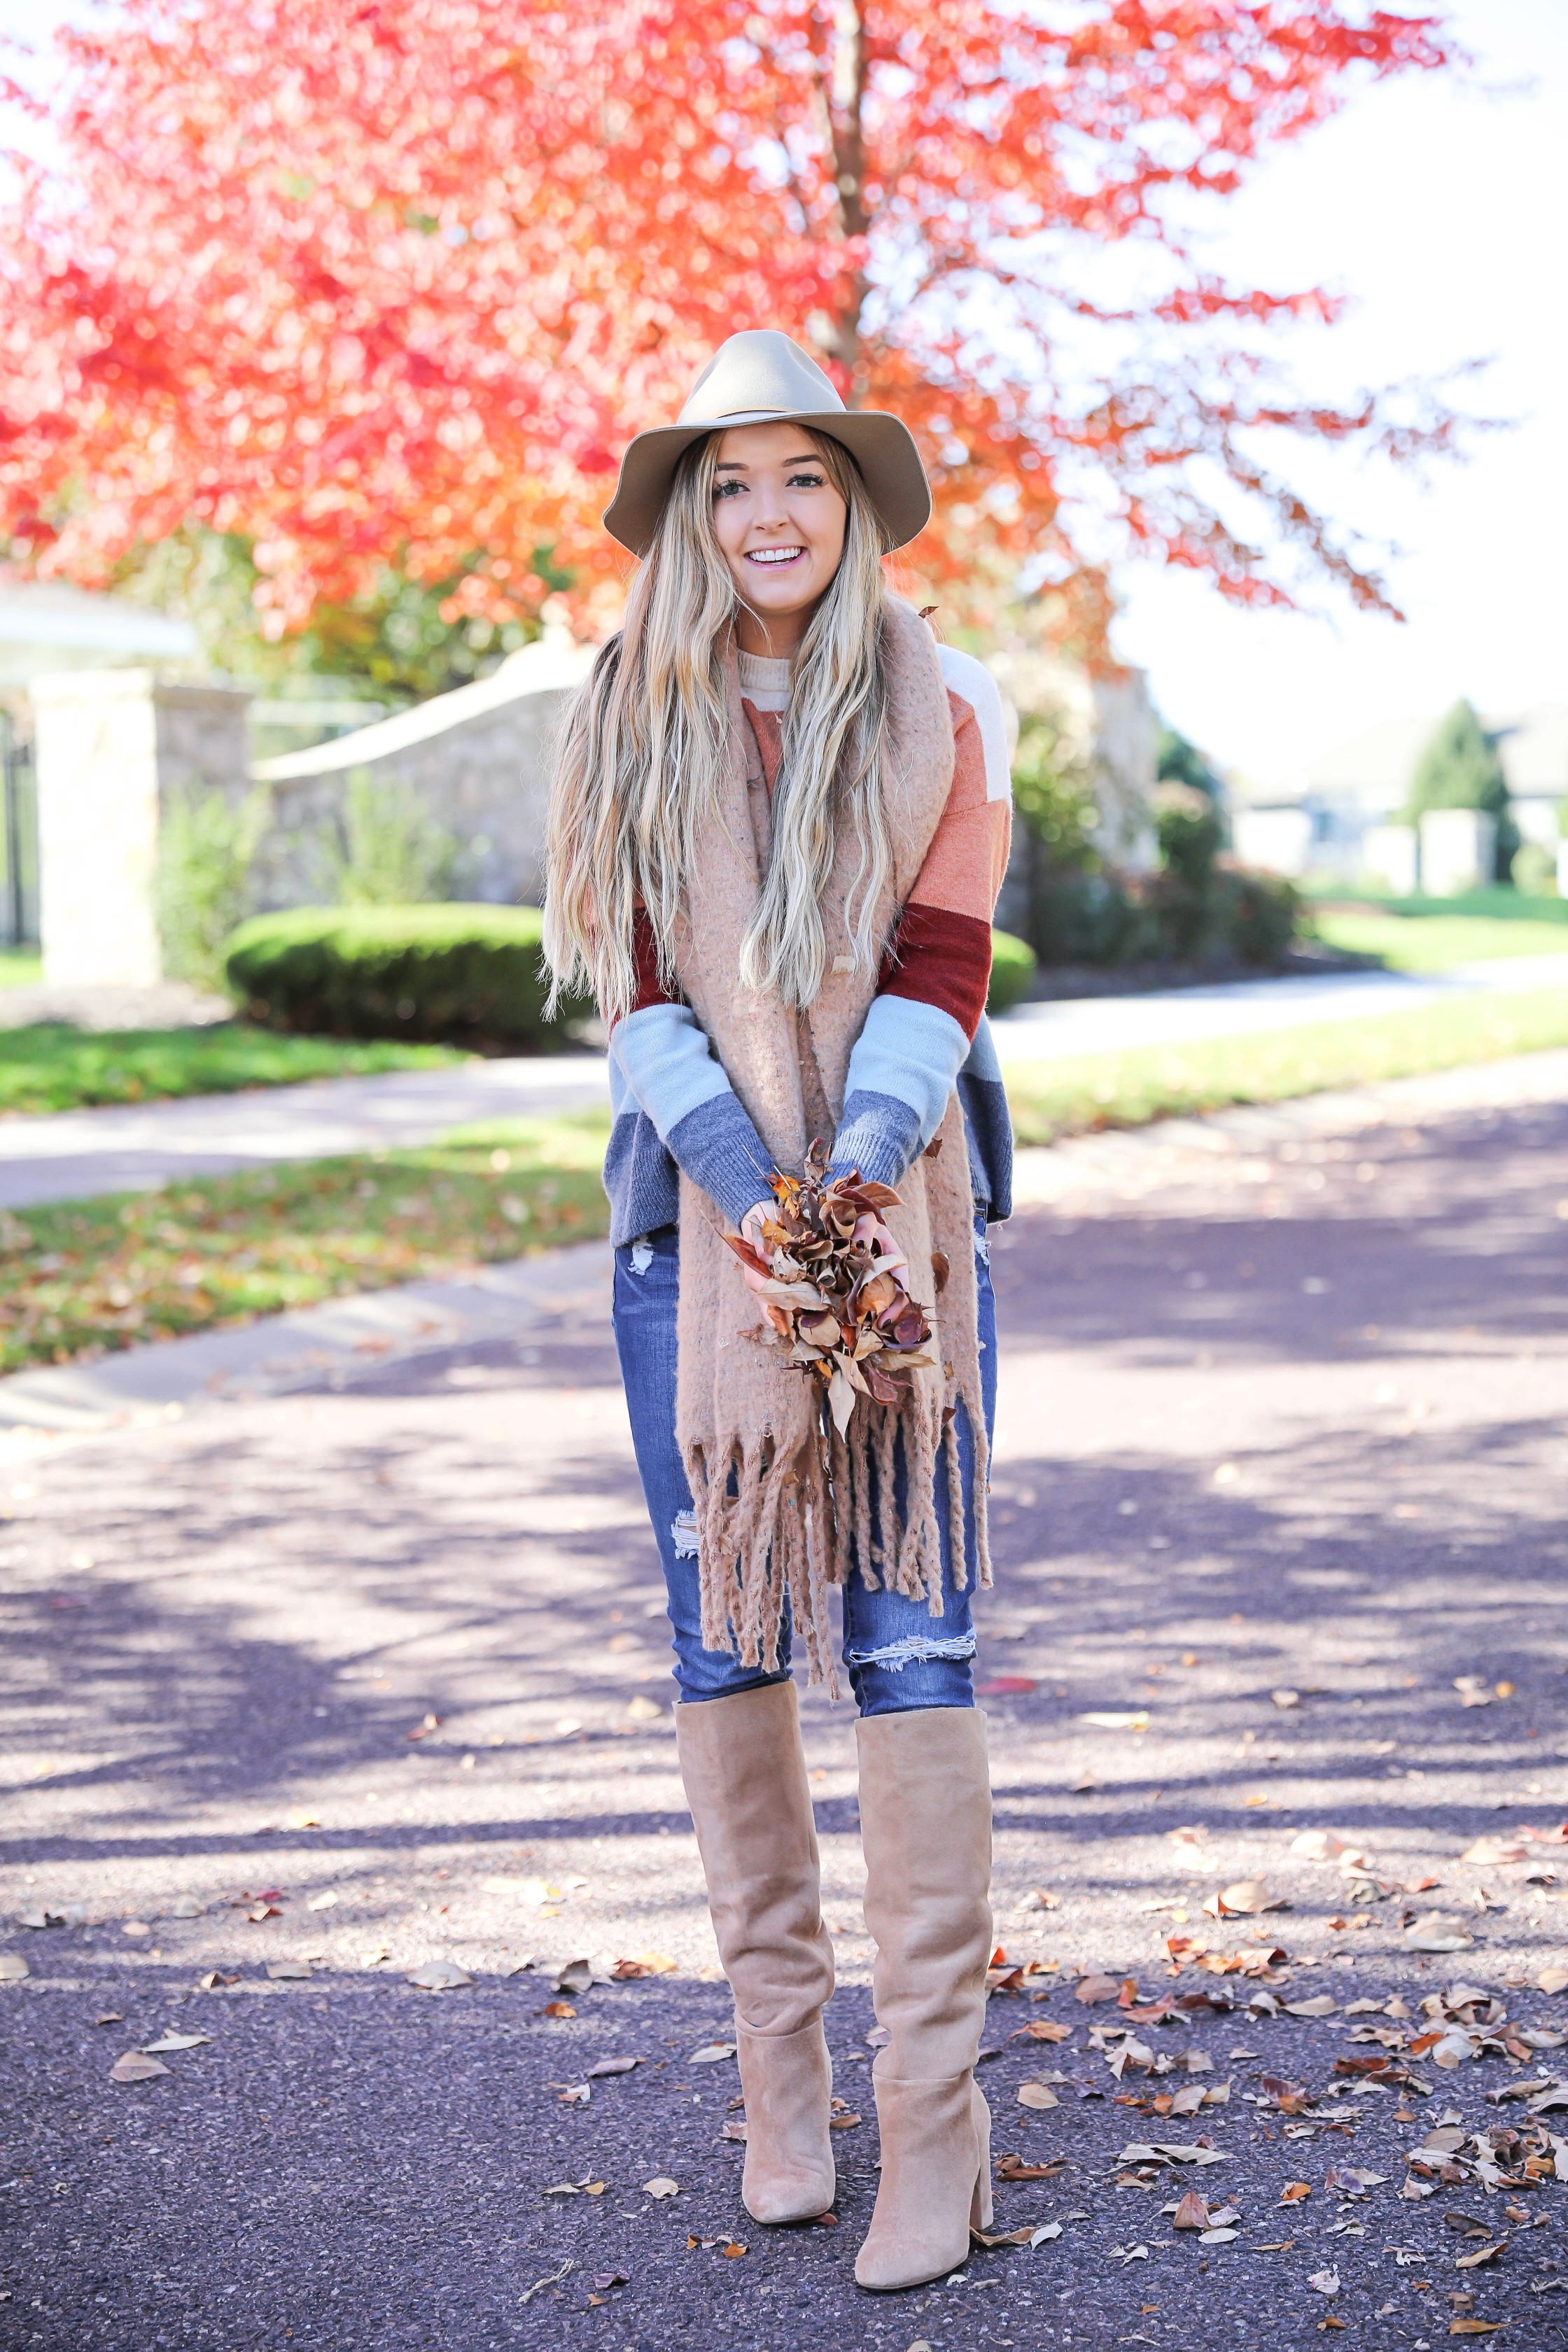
[606, 2280]
[612, 2066]
[133, 2067]
[1192, 2213]
[1476, 2327]
[1093, 1989]
[1043, 2030]
[1037, 2095]
[1294, 2190]
[438, 1975]
[559, 2009]
[734, 2248]
[422, 1730]
[1001, 2237]
[1013, 2167]
[1488, 2253]
[576, 1976]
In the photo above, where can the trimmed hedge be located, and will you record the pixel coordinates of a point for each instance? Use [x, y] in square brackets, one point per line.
[1012, 967]
[446, 974]
[452, 974]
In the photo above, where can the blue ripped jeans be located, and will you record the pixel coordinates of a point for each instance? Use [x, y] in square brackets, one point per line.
[898, 1657]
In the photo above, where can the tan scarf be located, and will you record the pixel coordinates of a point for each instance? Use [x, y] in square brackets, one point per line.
[782, 1508]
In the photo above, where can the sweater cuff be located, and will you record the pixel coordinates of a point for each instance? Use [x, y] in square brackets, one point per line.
[879, 1135]
[718, 1147]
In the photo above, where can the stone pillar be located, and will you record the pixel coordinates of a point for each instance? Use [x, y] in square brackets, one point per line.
[111, 747]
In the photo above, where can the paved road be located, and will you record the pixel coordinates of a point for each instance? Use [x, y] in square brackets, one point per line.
[1288, 1422]
[69, 1155]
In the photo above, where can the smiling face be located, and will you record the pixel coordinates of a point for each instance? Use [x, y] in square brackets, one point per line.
[779, 523]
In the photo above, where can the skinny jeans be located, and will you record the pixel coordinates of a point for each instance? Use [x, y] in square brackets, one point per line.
[898, 1655]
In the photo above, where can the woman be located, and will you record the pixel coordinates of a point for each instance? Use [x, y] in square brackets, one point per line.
[779, 826]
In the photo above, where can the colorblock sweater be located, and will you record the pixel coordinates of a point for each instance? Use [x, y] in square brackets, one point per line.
[672, 1104]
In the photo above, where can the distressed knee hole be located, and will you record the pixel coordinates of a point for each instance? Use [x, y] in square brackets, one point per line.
[913, 1650]
[683, 1527]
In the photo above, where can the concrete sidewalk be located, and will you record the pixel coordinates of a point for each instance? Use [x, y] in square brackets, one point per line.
[133, 1147]
[70, 1155]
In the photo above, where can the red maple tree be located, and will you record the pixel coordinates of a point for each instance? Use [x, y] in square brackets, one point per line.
[373, 281]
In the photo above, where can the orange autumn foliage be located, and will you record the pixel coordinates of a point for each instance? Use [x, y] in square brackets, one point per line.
[373, 281]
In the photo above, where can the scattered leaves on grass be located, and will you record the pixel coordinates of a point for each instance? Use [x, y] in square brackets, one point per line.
[135, 2066]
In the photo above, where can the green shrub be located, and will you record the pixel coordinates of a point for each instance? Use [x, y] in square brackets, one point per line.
[1536, 871]
[1013, 965]
[393, 853]
[456, 974]
[206, 850]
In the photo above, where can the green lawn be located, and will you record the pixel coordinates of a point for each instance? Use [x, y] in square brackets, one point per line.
[79, 1278]
[21, 968]
[55, 1067]
[1149, 1082]
[1436, 942]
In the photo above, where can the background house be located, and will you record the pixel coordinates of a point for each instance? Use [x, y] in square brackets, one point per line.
[1321, 822]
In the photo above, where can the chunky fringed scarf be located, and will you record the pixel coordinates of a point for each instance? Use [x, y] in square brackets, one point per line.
[784, 1505]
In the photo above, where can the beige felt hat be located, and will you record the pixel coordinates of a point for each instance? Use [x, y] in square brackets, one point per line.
[760, 377]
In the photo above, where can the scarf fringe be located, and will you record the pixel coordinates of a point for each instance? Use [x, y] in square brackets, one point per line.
[770, 1531]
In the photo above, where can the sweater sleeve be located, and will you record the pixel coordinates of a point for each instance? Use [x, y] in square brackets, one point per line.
[660, 1056]
[931, 1000]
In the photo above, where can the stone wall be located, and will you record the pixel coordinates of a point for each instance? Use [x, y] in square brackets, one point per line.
[477, 761]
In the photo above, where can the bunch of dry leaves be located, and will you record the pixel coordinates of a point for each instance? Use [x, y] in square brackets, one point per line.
[830, 1287]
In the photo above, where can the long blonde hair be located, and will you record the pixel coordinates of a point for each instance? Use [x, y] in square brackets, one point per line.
[644, 751]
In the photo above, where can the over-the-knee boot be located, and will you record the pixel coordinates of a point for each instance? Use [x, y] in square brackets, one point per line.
[744, 1771]
[925, 1819]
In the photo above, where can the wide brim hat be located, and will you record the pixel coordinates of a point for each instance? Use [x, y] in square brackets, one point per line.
[760, 377]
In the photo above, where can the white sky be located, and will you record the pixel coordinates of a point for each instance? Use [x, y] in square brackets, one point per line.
[1440, 204]
[1442, 208]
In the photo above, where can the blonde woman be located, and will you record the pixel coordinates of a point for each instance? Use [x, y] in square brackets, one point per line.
[778, 829]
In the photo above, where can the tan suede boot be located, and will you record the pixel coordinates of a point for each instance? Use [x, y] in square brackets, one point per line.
[744, 1771]
[925, 1821]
